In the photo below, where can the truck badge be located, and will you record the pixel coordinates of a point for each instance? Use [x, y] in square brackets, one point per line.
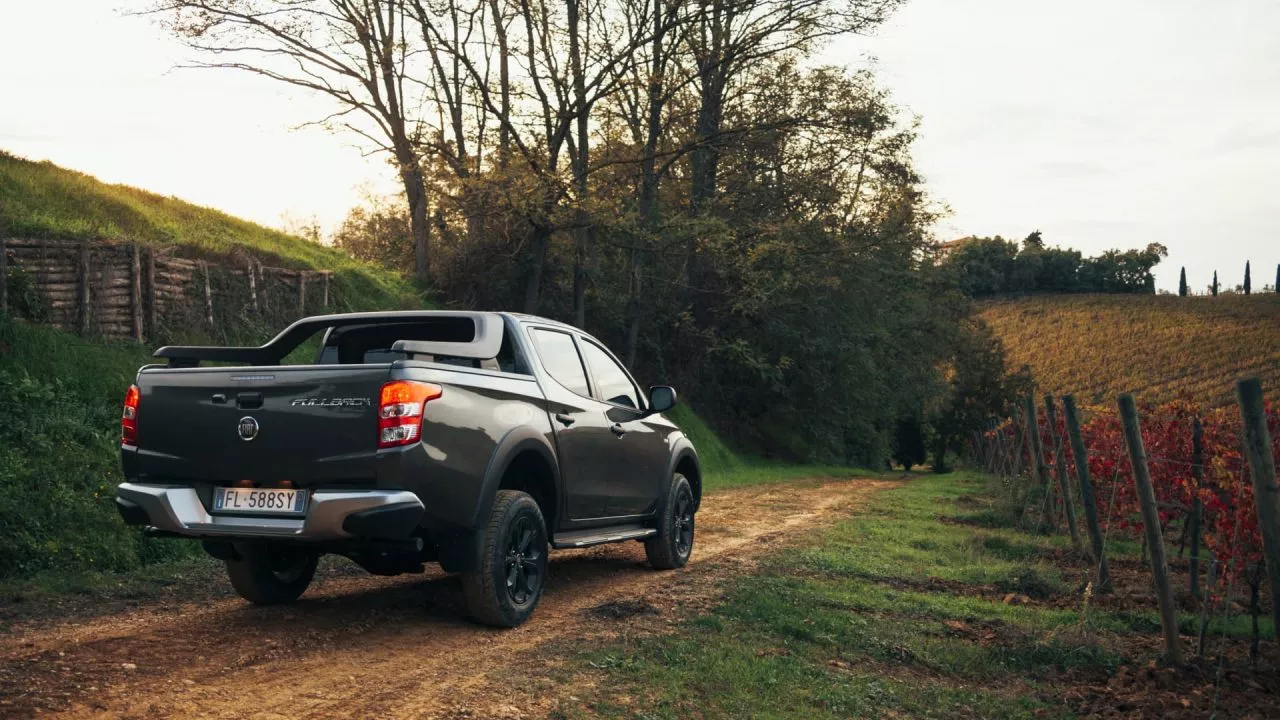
[248, 428]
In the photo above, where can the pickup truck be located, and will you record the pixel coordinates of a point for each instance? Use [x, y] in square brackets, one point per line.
[475, 440]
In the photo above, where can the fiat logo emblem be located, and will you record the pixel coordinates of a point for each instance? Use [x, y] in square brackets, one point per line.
[248, 428]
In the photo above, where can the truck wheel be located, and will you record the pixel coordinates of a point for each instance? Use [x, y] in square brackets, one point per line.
[271, 576]
[673, 544]
[506, 587]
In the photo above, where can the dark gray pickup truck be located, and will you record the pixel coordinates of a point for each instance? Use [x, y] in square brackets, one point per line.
[475, 440]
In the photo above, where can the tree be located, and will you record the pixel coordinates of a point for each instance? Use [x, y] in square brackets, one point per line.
[1214, 287]
[352, 51]
[1182, 282]
[728, 40]
[1033, 241]
[1277, 285]
[1248, 283]
[378, 231]
[979, 387]
[909, 442]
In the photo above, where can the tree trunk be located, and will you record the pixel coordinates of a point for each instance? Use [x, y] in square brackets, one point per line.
[582, 233]
[704, 161]
[538, 240]
[504, 83]
[648, 196]
[415, 193]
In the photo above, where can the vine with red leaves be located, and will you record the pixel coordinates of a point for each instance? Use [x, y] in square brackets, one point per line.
[1230, 521]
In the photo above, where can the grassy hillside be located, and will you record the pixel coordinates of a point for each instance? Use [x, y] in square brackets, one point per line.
[42, 200]
[1159, 347]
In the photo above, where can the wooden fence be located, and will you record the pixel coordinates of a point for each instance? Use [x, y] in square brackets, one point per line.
[123, 290]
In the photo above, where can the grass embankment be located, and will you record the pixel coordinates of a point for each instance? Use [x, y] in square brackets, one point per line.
[926, 603]
[723, 468]
[1159, 347]
[42, 200]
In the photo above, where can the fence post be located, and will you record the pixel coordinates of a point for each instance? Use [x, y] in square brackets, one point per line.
[253, 287]
[302, 293]
[1151, 524]
[326, 288]
[266, 296]
[208, 295]
[1081, 456]
[1197, 507]
[1037, 456]
[82, 290]
[149, 293]
[135, 291]
[1266, 495]
[1060, 467]
[4, 279]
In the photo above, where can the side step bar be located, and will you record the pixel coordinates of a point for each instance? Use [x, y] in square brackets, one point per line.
[600, 536]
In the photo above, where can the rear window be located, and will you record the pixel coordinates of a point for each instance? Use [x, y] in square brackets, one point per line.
[371, 344]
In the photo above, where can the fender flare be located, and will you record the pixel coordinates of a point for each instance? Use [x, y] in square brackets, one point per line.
[681, 449]
[460, 551]
[516, 441]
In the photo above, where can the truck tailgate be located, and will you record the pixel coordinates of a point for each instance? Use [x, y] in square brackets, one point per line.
[307, 424]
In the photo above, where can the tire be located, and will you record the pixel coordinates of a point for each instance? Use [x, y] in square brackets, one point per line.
[506, 587]
[673, 545]
[271, 576]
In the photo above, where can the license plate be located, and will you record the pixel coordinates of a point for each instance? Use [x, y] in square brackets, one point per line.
[260, 500]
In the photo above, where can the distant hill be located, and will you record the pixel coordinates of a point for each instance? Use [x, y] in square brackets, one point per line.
[1159, 347]
[42, 200]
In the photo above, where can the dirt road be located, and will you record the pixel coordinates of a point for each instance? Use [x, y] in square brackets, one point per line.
[363, 646]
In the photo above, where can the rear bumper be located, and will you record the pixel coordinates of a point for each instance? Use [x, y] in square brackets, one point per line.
[331, 515]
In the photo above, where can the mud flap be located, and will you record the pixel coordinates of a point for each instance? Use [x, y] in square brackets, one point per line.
[459, 552]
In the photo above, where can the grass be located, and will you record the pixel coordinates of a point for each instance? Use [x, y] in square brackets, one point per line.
[723, 468]
[42, 200]
[1161, 348]
[890, 612]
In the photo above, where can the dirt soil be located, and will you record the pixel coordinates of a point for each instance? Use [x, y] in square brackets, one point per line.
[362, 646]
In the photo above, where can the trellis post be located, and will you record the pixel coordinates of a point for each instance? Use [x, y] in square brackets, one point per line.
[1266, 495]
[1060, 467]
[1151, 524]
[1081, 455]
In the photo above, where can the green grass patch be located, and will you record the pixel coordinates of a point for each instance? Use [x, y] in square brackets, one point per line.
[898, 609]
[722, 468]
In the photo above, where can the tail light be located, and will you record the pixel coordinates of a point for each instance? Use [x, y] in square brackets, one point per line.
[129, 420]
[400, 411]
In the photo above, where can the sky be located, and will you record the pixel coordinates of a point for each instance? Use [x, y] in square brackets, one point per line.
[1102, 124]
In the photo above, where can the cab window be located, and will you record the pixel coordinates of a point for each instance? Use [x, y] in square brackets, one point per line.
[560, 358]
[612, 383]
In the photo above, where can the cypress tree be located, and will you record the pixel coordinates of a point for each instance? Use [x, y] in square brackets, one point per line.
[1248, 284]
[1182, 282]
[1214, 287]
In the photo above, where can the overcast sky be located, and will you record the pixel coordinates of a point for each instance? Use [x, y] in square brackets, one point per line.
[1103, 124]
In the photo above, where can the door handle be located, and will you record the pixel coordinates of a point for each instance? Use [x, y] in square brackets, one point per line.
[618, 429]
[565, 419]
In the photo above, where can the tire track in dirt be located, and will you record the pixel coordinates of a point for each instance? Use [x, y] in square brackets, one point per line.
[363, 646]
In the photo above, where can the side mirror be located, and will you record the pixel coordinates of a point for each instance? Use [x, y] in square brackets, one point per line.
[661, 398]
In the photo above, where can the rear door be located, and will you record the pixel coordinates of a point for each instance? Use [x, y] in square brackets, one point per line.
[583, 438]
[307, 424]
[638, 454]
